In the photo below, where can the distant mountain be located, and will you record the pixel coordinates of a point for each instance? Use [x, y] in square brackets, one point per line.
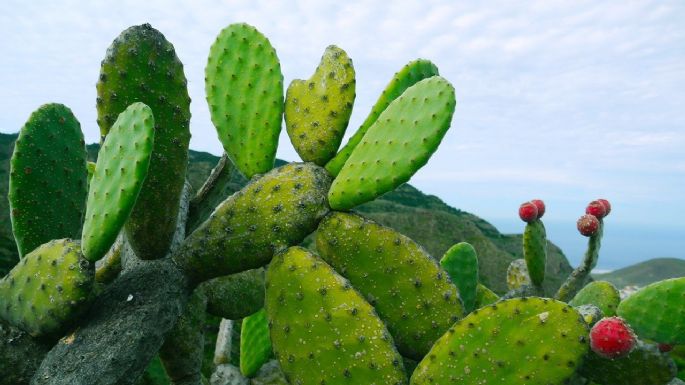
[424, 218]
[644, 273]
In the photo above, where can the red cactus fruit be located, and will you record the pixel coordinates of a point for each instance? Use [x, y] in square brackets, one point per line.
[588, 225]
[612, 338]
[606, 204]
[540, 206]
[665, 348]
[528, 212]
[596, 208]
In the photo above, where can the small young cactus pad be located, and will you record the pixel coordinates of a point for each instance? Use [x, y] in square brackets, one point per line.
[48, 289]
[121, 168]
[273, 211]
[255, 343]
[409, 75]
[322, 330]
[244, 87]
[397, 145]
[535, 250]
[48, 178]
[461, 263]
[318, 109]
[657, 312]
[516, 341]
[601, 294]
[142, 66]
[411, 293]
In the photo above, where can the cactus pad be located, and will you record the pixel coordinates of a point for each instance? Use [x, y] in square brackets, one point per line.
[322, 330]
[409, 290]
[535, 250]
[400, 142]
[119, 174]
[222, 300]
[48, 289]
[517, 341]
[485, 296]
[48, 178]
[657, 312]
[244, 87]
[409, 75]
[644, 365]
[461, 263]
[255, 343]
[141, 66]
[275, 210]
[318, 109]
[601, 294]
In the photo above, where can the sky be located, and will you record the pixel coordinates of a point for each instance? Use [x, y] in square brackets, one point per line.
[566, 101]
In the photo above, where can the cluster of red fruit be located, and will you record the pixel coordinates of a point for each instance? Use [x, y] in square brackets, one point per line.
[588, 224]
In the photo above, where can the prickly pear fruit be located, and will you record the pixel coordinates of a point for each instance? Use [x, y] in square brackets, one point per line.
[48, 178]
[528, 212]
[410, 292]
[612, 338]
[517, 274]
[255, 343]
[515, 341]
[657, 312]
[318, 109]
[601, 294]
[48, 289]
[322, 330]
[141, 66]
[588, 225]
[397, 145]
[244, 87]
[597, 209]
[644, 365]
[409, 75]
[461, 263]
[535, 250]
[222, 300]
[607, 205]
[485, 296]
[540, 205]
[274, 211]
[121, 168]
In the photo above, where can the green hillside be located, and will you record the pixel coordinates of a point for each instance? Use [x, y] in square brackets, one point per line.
[424, 218]
[644, 273]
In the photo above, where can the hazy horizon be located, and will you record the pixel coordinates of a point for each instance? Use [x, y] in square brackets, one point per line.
[563, 101]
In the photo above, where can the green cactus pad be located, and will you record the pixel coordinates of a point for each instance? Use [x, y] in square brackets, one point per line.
[400, 142]
[535, 250]
[517, 274]
[322, 330]
[517, 341]
[409, 290]
[274, 211]
[485, 296]
[657, 312]
[235, 296]
[601, 294]
[90, 167]
[255, 343]
[644, 365]
[244, 87]
[48, 289]
[122, 165]
[141, 66]
[409, 75]
[461, 263]
[48, 178]
[318, 109]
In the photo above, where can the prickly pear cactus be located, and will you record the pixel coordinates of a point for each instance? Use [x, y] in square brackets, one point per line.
[601, 294]
[141, 66]
[535, 250]
[276, 210]
[411, 293]
[48, 289]
[322, 330]
[409, 75]
[517, 274]
[122, 166]
[644, 365]
[318, 109]
[222, 301]
[515, 341]
[48, 178]
[461, 263]
[657, 312]
[255, 344]
[401, 141]
[244, 87]
[485, 296]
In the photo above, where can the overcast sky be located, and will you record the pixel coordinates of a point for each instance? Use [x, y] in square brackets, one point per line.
[561, 100]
